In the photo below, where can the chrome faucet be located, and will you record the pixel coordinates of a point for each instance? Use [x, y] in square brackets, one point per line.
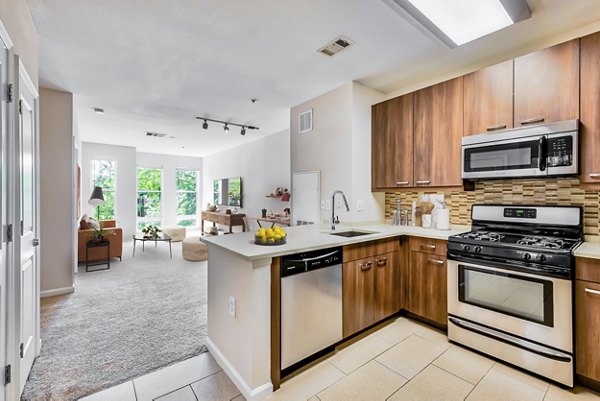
[334, 219]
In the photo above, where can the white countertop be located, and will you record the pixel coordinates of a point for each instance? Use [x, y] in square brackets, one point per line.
[308, 238]
[588, 249]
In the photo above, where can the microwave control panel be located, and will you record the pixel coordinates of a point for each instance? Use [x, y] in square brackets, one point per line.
[560, 151]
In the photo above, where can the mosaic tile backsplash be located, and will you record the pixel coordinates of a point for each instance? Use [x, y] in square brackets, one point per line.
[561, 191]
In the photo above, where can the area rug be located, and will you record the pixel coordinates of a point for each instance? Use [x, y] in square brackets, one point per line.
[144, 313]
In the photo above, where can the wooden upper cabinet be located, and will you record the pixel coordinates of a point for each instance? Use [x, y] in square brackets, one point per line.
[590, 109]
[488, 97]
[437, 134]
[547, 85]
[392, 143]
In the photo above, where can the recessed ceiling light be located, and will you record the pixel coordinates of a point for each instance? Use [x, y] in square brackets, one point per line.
[98, 110]
[461, 21]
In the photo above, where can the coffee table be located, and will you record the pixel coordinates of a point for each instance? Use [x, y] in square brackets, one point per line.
[159, 238]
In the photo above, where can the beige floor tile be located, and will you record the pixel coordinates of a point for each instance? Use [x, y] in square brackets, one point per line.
[433, 384]
[522, 376]
[176, 376]
[184, 394]
[397, 331]
[411, 355]
[432, 334]
[502, 385]
[308, 383]
[239, 398]
[122, 392]
[356, 355]
[217, 387]
[579, 393]
[464, 363]
[314, 398]
[371, 382]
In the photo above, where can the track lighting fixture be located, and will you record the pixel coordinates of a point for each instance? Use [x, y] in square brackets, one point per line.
[226, 124]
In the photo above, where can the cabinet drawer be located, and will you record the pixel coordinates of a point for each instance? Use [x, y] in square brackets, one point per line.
[427, 245]
[371, 248]
[587, 269]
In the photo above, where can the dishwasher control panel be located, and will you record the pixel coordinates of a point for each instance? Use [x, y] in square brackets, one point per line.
[313, 260]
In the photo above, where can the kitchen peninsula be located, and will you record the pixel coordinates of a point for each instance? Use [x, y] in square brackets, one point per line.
[240, 289]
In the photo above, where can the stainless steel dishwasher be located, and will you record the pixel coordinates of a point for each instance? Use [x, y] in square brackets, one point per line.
[311, 304]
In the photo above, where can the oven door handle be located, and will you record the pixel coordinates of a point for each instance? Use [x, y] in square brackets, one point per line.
[511, 340]
[542, 153]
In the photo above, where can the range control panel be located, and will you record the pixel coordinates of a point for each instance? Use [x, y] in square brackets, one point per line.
[520, 213]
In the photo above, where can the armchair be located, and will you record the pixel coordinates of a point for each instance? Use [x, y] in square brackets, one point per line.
[114, 235]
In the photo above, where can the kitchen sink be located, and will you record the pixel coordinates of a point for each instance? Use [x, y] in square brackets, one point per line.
[352, 233]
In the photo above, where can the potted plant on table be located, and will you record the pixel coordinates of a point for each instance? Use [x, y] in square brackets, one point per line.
[151, 231]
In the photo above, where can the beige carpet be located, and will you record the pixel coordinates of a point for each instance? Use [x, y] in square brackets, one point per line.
[144, 313]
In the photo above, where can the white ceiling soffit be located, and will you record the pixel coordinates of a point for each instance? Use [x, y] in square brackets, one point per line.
[155, 65]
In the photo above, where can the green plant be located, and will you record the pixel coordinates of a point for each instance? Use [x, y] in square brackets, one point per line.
[100, 234]
[151, 230]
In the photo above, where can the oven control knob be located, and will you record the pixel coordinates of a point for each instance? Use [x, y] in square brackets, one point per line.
[477, 249]
[526, 256]
[466, 248]
[542, 258]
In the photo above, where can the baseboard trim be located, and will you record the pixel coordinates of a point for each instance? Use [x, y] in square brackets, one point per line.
[258, 394]
[57, 291]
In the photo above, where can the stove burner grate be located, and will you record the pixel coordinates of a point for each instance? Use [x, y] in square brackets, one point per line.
[542, 242]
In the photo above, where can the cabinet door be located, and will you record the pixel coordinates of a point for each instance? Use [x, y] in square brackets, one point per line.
[392, 143]
[357, 295]
[428, 292]
[587, 323]
[590, 109]
[489, 99]
[438, 132]
[547, 85]
[388, 290]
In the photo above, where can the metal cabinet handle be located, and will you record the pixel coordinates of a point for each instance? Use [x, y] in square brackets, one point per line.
[495, 127]
[366, 266]
[532, 120]
[402, 183]
[428, 246]
[381, 262]
[423, 182]
[590, 291]
[594, 175]
[436, 261]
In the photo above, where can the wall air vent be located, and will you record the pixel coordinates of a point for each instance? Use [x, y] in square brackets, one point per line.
[336, 46]
[305, 121]
[156, 134]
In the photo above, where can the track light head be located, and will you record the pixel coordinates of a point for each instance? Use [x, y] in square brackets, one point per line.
[205, 125]
[243, 131]
[226, 128]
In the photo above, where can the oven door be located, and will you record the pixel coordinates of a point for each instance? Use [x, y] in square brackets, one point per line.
[526, 305]
[521, 157]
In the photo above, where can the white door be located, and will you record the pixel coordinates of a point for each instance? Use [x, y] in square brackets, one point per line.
[27, 228]
[3, 272]
[306, 197]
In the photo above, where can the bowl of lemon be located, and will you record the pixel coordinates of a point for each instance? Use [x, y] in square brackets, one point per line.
[270, 236]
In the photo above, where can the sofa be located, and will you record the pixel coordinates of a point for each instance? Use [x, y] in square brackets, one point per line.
[112, 233]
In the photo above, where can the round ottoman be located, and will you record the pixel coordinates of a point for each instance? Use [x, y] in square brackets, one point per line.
[177, 233]
[194, 250]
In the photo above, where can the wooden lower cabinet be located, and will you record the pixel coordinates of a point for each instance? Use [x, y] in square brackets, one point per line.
[587, 327]
[427, 275]
[370, 291]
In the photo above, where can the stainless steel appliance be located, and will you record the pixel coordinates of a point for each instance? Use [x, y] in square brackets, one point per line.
[510, 285]
[311, 305]
[536, 151]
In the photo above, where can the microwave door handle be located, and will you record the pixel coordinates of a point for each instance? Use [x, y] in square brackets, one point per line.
[542, 153]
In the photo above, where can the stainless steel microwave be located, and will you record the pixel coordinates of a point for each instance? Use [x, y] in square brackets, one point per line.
[537, 151]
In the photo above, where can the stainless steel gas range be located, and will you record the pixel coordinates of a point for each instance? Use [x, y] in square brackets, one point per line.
[510, 286]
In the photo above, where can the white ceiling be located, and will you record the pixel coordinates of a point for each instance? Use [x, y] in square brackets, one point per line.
[155, 65]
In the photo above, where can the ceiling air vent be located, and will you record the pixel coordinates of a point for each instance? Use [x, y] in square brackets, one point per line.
[305, 121]
[333, 48]
[156, 134]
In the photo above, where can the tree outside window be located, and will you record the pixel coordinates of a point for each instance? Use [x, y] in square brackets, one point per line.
[104, 175]
[187, 197]
[149, 184]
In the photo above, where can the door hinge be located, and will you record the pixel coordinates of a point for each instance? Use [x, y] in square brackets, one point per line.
[21, 350]
[10, 92]
[21, 107]
[7, 374]
[9, 233]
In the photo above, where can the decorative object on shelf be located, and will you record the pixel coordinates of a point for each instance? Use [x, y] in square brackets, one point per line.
[227, 211]
[226, 124]
[97, 199]
[287, 212]
[151, 231]
[211, 208]
[281, 193]
[270, 236]
[285, 196]
[263, 213]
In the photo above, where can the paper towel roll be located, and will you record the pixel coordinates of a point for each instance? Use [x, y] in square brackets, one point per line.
[443, 219]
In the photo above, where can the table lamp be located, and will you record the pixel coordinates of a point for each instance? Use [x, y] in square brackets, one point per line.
[97, 199]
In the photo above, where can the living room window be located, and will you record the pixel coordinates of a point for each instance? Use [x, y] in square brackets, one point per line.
[149, 184]
[187, 197]
[104, 175]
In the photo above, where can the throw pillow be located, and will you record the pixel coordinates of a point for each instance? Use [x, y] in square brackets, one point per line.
[93, 223]
[84, 222]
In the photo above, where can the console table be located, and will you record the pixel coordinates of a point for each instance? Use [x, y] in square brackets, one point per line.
[230, 220]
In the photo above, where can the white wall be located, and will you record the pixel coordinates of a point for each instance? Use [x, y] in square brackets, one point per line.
[125, 157]
[339, 145]
[17, 20]
[170, 164]
[263, 164]
[57, 169]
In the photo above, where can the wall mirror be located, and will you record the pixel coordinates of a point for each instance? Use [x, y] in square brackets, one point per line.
[228, 191]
